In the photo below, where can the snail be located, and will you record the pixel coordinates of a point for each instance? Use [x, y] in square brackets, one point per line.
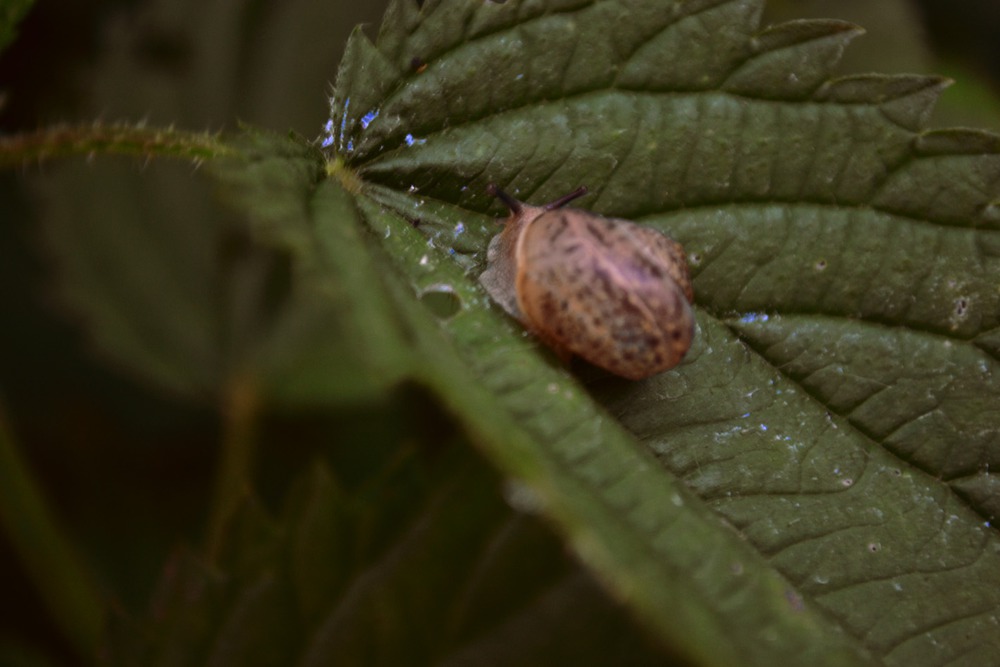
[604, 289]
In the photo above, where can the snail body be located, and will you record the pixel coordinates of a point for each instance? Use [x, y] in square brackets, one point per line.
[604, 289]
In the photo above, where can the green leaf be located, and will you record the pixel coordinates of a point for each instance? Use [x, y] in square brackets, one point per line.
[636, 525]
[174, 291]
[151, 291]
[831, 236]
[336, 339]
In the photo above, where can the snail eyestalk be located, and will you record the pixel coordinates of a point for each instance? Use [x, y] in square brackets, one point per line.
[512, 204]
[565, 199]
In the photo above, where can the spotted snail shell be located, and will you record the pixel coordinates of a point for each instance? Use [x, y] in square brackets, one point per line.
[605, 289]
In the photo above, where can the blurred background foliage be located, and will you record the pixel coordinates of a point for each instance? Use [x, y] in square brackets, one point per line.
[129, 465]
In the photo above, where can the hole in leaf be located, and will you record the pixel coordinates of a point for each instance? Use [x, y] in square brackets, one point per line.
[441, 300]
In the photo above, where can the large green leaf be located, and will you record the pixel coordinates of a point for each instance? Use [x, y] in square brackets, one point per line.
[831, 237]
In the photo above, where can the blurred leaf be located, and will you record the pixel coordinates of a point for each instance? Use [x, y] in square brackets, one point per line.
[15, 653]
[11, 13]
[973, 100]
[52, 561]
[139, 257]
[318, 590]
[168, 286]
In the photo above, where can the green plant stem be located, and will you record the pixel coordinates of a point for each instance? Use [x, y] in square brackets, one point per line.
[64, 583]
[233, 481]
[66, 140]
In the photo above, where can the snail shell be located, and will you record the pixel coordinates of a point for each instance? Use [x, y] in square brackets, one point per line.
[605, 289]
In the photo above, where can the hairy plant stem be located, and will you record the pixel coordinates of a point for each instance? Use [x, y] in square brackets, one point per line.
[123, 139]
